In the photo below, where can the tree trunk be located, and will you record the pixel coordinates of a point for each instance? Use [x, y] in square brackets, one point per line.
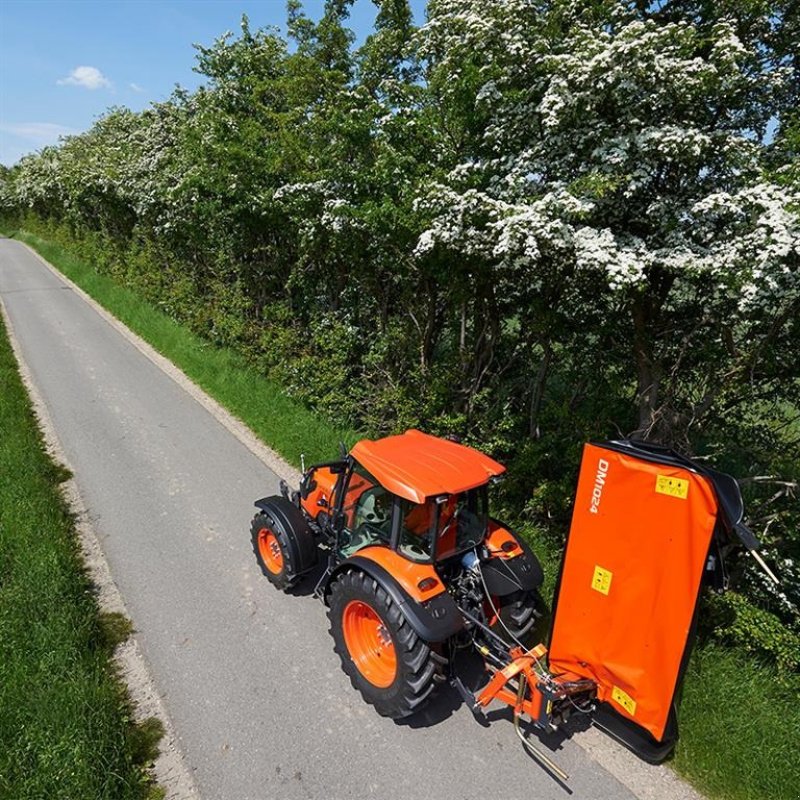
[431, 330]
[648, 373]
[537, 393]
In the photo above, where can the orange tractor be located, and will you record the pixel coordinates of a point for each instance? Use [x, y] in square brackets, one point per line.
[417, 570]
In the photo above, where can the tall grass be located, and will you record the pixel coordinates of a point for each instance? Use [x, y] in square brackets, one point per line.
[65, 727]
[740, 728]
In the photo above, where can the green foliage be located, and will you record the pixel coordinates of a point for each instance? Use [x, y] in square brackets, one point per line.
[143, 739]
[753, 630]
[115, 628]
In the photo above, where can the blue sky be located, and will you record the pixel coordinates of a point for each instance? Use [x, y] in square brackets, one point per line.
[64, 62]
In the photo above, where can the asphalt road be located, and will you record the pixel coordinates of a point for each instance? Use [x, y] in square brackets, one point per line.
[248, 675]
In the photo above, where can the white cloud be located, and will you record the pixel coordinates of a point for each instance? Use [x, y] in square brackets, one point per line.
[88, 77]
[136, 87]
[37, 132]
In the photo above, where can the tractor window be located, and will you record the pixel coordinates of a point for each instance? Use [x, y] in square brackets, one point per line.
[417, 526]
[457, 522]
[360, 482]
[368, 512]
[463, 522]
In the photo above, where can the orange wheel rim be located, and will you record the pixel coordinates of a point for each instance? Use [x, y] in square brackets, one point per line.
[369, 643]
[270, 551]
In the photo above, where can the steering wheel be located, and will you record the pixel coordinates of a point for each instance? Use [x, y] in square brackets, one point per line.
[414, 551]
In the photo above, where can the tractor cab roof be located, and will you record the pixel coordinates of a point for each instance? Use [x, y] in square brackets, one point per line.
[417, 466]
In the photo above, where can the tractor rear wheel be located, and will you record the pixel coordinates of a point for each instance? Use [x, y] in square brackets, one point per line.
[387, 662]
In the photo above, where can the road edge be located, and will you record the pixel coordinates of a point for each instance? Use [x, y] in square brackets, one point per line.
[170, 769]
[646, 781]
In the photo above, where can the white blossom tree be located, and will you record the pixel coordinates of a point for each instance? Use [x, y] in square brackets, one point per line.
[609, 144]
[532, 222]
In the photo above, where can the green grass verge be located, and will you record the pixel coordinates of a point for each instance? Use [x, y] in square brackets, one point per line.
[65, 726]
[740, 729]
[738, 726]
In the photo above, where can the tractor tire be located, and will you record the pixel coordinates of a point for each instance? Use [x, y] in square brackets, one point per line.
[519, 613]
[394, 669]
[272, 551]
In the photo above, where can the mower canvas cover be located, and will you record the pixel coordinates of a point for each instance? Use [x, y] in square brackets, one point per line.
[642, 527]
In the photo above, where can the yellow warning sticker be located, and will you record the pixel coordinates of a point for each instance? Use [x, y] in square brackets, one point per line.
[624, 699]
[601, 580]
[674, 487]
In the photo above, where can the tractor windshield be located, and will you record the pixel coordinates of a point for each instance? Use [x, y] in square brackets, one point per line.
[455, 523]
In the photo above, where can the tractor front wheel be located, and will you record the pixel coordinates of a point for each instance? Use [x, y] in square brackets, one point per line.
[387, 662]
[271, 551]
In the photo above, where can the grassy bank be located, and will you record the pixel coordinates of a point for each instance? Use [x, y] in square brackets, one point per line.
[739, 728]
[739, 725]
[65, 727]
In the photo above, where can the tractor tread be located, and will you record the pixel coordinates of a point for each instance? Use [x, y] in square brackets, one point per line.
[285, 579]
[418, 666]
[520, 612]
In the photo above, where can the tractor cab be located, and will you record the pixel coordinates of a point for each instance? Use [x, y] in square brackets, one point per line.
[424, 497]
[434, 530]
